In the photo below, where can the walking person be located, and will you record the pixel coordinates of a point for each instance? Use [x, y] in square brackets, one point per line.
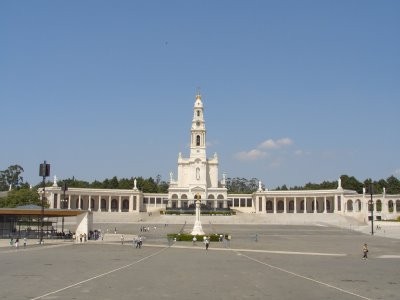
[24, 242]
[17, 243]
[365, 251]
[207, 242]
[140, 241]
[122, 239]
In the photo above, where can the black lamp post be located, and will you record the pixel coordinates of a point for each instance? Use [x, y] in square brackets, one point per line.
[371, 203]
[44, 171]
[64, 189]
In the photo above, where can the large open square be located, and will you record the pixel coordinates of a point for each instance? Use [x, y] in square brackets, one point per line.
[260, 262]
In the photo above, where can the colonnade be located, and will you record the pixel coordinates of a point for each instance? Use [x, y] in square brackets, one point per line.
[295, 204]
[104, 203]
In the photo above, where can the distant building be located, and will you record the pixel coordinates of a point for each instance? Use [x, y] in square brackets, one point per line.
[198, 178]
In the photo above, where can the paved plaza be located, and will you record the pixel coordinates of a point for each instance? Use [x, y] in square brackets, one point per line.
[260, 262]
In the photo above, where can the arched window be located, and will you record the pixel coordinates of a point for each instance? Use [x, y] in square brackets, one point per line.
[349, 205]
[291, 206]
[198, 113]
[378, 205]
[114, 205]
[280, 206]
[358, 205]
[125, 205]
[198, 140]
[390, 206]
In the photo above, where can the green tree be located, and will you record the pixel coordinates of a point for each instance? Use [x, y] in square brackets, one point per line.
[11, 176]
[241, 185]
[393, 185]
[19, 197]
[351, 183]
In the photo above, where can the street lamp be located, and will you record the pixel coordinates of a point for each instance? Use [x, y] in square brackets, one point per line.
[44, 171]
[64, 188]
[371, 203]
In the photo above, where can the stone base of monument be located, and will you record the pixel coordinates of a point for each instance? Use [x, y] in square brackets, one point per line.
[197, 229]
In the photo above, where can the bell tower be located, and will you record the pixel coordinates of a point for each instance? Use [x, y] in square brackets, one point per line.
[198, 131]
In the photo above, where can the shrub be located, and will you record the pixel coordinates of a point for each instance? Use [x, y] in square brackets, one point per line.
[185, 237]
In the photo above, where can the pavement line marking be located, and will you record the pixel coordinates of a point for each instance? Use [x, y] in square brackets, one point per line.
[389, 256]
[100, 275]
[304, 277]
[252, 250]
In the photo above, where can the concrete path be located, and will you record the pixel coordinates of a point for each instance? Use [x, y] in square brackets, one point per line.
[260, 262]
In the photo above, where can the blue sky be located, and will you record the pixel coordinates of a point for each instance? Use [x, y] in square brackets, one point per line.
[294, 91]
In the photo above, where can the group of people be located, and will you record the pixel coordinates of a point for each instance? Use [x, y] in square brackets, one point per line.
[138, 241]
[16, 242]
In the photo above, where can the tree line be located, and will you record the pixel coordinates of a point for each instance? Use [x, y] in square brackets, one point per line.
[22, 194]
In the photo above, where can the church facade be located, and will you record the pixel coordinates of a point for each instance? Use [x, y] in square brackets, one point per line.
[198, 178]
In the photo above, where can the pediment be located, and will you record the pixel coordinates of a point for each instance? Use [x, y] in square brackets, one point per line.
[198, 189]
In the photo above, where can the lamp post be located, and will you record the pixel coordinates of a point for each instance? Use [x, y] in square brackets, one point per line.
[44, 171]
[64, 189]
[371, 203]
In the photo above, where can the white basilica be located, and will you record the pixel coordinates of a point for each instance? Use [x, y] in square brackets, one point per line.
[198, 178]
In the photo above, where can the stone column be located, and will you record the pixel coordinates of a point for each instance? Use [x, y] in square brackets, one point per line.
[305, 205]
[119, 204]
[275, 205]
[80, 201]
[58, 200]
[325, 202]
[284, 205]
[197, 228]
[131, 203]
[335, 204]
[90, 203]
[264, 204]
[109, 203]
[295, 205]
[315, 205]
[138, 203]
[69, 202]
[99, 208]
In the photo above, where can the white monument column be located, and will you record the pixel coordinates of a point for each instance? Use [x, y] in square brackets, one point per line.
[315, 204]
[58, 200]
[305, 205]
[197, 228]
[264, 204]
[131, 203]
[284, 205]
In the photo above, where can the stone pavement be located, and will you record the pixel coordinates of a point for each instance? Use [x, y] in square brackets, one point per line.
[261, 261]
